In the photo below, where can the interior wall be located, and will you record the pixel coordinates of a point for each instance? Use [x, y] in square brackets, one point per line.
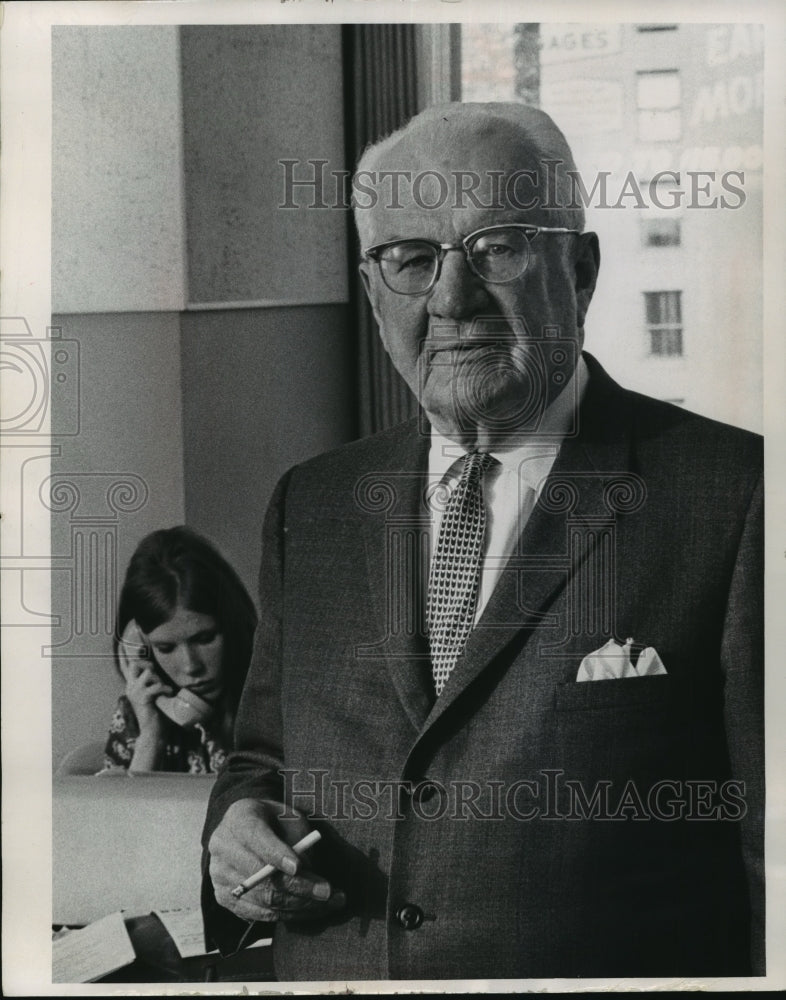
[262, 390]
[117, 179]
[203, 326]
[118, 284]
[252, 97]
[116, 475]
[270, 384]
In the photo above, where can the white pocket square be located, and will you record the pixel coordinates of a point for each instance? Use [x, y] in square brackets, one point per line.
[612, 661]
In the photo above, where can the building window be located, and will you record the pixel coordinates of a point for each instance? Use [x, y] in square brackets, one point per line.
[661, 222]
[658, 105]
[663, 312]
[661, 232]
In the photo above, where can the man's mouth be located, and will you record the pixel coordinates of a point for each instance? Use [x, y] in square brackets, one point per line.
[489, 332]
[467, 347]
[449, 347]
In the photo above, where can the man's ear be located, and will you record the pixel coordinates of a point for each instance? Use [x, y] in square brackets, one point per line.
[587, 267]
[371, 293]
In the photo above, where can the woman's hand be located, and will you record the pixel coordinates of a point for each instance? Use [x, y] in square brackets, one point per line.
[143, 687]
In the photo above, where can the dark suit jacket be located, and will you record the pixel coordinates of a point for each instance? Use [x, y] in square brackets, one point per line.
[606, 828]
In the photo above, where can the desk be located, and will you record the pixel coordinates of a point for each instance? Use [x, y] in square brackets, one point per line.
[132, 843]
[126, 843]
[158, 960]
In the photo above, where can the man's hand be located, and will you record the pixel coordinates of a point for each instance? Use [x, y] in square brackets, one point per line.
[252, 835]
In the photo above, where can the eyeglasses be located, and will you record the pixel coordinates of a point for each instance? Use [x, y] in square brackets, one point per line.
[496, 254]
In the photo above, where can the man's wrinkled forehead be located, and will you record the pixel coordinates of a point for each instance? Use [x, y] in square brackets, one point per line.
[455, 142]
[482, 149]
[484, 170]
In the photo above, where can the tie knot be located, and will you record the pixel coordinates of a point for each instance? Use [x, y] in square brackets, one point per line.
[475, 465]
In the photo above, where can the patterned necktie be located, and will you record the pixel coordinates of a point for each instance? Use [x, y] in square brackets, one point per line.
[454, 579]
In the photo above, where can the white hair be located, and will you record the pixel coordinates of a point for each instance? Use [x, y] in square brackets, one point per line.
[483, 124]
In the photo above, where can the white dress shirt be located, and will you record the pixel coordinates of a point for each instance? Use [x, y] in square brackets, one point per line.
[511, 486]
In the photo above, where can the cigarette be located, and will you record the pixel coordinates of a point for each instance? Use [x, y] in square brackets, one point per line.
[302, 845]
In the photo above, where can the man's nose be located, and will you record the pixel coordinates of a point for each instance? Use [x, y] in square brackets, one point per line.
[457, 293]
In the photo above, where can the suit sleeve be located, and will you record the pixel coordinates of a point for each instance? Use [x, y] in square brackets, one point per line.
[252, 769]
[742, 661]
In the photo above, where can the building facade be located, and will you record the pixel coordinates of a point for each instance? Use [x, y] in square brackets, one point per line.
[665, 121]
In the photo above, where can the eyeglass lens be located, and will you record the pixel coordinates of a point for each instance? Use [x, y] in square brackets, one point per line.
[496, 256]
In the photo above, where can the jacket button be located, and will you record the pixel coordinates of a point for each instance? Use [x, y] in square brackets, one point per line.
[409, 916]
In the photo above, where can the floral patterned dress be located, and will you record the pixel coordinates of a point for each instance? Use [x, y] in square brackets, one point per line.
[195, 750]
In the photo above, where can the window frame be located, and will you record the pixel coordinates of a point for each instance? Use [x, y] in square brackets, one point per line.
[648, 114]
[666, 338]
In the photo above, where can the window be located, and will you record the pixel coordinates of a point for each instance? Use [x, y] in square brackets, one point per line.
[661, 221]
[658, 105]
[663, 312]
[661, 232]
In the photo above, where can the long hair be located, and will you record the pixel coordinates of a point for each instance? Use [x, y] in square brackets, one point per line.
[176, 567]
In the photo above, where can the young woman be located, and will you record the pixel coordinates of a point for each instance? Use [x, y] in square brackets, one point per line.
[185, 625]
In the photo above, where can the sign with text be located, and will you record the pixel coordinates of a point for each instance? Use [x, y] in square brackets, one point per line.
[567, 42]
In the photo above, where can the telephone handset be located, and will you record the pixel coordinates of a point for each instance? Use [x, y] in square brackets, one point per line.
[183, 707]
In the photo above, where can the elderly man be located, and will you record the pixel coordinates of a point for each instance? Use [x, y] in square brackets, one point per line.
[509, 662]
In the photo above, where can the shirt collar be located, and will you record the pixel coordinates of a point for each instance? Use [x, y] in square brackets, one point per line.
[533, 459]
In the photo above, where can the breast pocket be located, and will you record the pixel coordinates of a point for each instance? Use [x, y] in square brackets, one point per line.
[620, 729]
[639, 693]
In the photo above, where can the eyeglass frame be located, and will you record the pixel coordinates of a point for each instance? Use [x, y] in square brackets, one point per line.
[530, 232]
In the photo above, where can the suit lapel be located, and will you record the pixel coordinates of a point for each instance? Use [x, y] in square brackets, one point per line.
[560, 534]
[395, 526]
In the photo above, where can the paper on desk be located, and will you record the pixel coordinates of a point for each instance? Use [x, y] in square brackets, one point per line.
[92, 952]
[186, 929]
